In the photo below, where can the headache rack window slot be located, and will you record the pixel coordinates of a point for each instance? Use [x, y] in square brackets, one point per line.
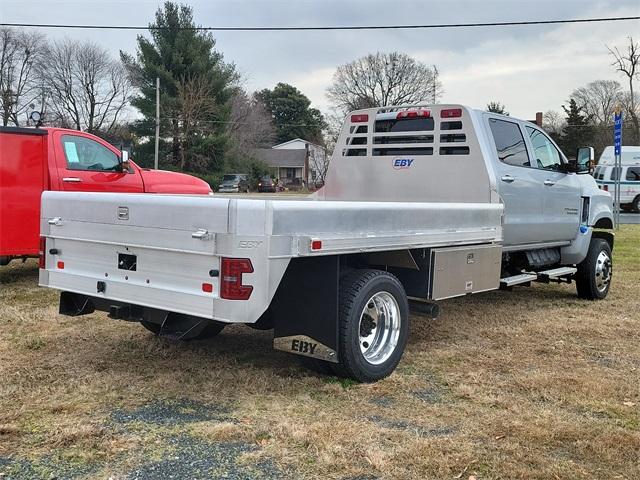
[454, 150]
[384, 140]
[356, 140]
[454, 125]
[453, 138]
[409, 124]
[354, 152]
[377, 152]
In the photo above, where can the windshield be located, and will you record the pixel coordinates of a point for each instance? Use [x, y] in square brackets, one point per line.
[230, 178]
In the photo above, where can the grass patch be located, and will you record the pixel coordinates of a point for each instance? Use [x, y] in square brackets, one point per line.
[529, 384]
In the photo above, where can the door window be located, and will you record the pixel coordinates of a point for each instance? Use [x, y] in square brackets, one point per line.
[509, 143]
[633, 174]
[546, 154]
[85, 154]
[615, 173]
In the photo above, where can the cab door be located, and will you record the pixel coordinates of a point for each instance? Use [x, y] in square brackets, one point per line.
[561, 192]
[86, 163]
[518, 185]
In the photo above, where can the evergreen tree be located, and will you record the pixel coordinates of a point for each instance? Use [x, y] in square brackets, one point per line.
[195, 88]
[291, 114]
[578, 130]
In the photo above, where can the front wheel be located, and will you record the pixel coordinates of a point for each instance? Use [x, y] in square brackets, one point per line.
[373, 325]
[635, 206]
[593, 278]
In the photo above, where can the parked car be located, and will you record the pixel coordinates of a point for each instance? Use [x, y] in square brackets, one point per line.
[266, 184]
[606, 175]
[333, 274]
[234, 182]
[36, 159]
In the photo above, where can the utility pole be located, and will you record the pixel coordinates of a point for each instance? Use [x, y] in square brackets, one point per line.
[155, 160]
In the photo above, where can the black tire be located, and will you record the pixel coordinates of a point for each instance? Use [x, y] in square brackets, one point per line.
[593, 278]
[357, 291]
[635, 206]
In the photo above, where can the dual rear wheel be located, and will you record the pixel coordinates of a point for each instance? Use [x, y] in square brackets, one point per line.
[373, 325]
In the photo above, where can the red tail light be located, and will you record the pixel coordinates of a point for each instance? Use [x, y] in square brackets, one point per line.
[42, 252]
[359, 118]
[413, 114]
[451, 113]
[231, 270]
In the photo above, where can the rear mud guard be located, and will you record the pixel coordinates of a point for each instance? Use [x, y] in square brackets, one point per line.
[305, 308]
[75, 304]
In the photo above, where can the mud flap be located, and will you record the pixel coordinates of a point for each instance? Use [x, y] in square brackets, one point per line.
[305, 308]
[75, 304]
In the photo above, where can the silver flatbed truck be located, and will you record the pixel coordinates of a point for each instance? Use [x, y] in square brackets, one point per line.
[422, 202]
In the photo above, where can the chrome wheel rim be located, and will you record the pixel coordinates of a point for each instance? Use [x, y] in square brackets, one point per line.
[603, 271]
[379, 328]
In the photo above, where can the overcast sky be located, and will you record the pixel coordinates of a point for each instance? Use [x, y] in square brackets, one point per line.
[528, 68]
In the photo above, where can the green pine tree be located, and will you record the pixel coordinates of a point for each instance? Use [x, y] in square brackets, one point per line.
[578, 131]
[291, 114]
[195, 88]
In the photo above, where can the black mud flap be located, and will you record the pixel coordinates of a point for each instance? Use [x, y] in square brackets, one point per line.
[75, 304]
[305, 308]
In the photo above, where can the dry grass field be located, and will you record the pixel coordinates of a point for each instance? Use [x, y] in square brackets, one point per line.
[529, 384]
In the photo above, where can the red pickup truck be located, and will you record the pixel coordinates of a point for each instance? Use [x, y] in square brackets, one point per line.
[36, 159]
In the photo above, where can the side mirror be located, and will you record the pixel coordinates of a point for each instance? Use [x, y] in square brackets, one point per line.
[585, 160]
[124, 161]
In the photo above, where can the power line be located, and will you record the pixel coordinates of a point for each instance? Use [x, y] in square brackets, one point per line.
[339, 27]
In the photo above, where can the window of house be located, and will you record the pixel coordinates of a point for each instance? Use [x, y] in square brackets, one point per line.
[509, 143]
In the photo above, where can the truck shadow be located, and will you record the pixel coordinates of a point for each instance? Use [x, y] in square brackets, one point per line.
[17, 271]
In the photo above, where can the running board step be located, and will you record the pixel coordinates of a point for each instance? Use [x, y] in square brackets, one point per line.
[544, 276]
[518, 279]
[558, 272]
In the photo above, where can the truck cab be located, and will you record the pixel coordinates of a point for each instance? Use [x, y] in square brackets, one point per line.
[33, 160]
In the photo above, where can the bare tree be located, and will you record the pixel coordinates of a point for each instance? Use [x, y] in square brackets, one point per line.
[250, 125]
[383, 79]
[599, 99]
[497, 107]
[553, 122]
[20, 54]
[88, 89]
[628, 63]
[195, 104]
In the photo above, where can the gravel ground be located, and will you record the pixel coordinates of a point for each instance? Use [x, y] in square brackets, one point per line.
[172, 412]
[176, 453]
[195, 459]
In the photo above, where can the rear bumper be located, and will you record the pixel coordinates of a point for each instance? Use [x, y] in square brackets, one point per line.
[115, 292]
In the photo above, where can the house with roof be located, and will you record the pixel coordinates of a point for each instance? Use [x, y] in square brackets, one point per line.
[297, 162]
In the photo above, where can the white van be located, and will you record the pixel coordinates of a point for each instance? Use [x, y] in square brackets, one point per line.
[606, 174]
